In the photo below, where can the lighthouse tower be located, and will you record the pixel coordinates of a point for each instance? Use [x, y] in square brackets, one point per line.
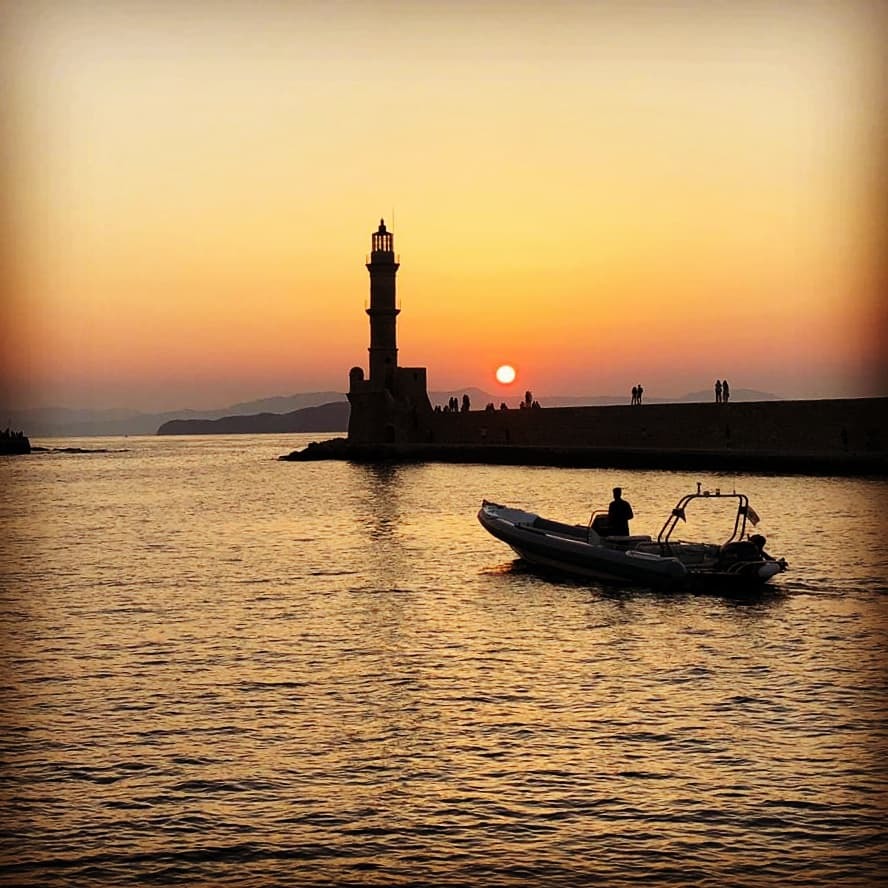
[383, 310]
[391, 405]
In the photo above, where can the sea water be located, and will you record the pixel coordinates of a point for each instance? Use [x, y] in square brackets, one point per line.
[223, 669]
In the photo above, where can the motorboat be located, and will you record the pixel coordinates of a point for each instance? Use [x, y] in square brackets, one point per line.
[740, 563]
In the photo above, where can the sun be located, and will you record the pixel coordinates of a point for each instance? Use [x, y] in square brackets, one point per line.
[505, 374]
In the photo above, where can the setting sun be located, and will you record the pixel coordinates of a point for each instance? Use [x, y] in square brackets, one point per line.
[505, 374]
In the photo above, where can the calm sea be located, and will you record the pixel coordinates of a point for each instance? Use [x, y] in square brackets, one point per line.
[221, 669]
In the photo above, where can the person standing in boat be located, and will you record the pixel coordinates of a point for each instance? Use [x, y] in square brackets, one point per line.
[619, 513]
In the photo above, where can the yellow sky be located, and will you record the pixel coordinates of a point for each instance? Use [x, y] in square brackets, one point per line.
[599, 193]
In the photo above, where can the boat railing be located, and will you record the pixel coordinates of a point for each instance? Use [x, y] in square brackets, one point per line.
[678, 514]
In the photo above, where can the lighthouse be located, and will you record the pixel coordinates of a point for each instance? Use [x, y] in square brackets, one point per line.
[391, 405]
[383, 310]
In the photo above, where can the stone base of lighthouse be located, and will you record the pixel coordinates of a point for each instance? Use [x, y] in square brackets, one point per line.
[398, 413]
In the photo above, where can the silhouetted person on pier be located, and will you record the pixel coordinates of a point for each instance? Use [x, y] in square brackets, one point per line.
[465, 404]
[718, 391]
[619, 513]
[726, 392]
[634, 400]
[640, 393]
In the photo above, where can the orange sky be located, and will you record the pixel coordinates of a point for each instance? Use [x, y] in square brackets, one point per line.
[599, 193]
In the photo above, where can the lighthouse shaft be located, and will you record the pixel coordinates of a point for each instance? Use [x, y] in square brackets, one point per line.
[383, 310]
[392, 405]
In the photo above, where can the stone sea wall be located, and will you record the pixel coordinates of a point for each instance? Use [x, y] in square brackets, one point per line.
[825, 427]
[822, 437]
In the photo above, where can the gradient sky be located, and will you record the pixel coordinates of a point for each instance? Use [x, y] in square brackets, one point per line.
[599, 193]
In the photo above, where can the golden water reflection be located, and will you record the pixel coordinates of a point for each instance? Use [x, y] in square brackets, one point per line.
[334, 665]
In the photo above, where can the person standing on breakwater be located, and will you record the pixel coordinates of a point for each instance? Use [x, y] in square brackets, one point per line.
[640, 393]
[718, 391]
[634, 400]
[619, 513]
[726, 392]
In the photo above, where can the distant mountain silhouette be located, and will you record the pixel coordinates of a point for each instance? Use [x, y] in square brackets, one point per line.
[283, 403]
[63, 422]
[480, 398]
[736, 395]
[325, 418]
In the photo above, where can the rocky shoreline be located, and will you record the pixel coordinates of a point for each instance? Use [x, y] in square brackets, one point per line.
[14, 443]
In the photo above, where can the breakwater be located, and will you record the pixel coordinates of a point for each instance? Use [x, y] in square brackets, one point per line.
[837, 436]
[13, 443]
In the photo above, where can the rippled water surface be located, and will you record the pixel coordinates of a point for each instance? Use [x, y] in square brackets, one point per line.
[221, 669]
